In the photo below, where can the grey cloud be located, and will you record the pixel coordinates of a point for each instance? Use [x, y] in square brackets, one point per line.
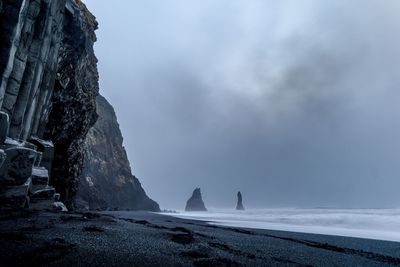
[294, 104]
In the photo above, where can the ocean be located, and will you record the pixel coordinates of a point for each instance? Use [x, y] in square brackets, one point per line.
[380, 224]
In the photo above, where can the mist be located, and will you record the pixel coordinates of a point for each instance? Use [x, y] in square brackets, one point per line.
[292, 103]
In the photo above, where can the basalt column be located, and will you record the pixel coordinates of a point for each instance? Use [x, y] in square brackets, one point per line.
[48, 89]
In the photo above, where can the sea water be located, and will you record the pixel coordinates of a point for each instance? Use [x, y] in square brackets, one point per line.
[381, 224]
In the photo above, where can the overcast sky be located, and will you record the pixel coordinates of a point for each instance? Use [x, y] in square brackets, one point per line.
[295, 103]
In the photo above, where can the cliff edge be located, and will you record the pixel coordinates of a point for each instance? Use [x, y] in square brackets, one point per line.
[107, 181]
[48, 92]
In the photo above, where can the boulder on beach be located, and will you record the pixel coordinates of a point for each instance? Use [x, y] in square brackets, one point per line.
[239, 205]
[195, 202]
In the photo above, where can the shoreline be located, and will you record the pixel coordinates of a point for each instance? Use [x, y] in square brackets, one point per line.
[356, 223]
[124, 238]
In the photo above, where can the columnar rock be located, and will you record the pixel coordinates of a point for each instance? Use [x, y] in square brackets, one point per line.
[17, 166]
[48, 90]
[4, 124]
[46, 150]
[239, 205]
[45, 199]
[30, 38]
[195, 202]
[23, 182]
[40, 178]
[107, 181]
[41, 195]
[2, 157]
[31, 34]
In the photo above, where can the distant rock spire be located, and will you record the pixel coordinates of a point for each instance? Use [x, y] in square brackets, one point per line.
[239, 205]
[195, 202]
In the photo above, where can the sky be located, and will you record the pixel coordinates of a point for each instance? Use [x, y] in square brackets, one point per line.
[294, 103]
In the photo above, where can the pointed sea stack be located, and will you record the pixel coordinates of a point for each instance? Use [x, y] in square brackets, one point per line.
[239, 205]
[195, 202]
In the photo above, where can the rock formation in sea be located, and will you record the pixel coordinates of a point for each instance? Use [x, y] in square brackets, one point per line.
[195, 202]
[107, 181]
[48, 90]
[239, 205]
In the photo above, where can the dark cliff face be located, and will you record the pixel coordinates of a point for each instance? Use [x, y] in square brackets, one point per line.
[31, 34]
[107, 180]
[48, 91]
[30, 37]
[73, 109]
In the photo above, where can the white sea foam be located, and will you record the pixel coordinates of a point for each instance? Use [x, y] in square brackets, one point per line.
[381, 224]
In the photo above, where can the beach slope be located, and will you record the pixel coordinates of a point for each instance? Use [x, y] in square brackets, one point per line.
[149, 239]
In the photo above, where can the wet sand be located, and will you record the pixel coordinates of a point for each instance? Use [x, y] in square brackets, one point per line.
[148, 239]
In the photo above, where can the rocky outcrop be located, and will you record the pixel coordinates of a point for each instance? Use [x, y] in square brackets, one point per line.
[195, 202]
[73, 102]
[24, 178]
[48, 87]
[107, 181]
[30, 38]
[239, 205]
[48, 91]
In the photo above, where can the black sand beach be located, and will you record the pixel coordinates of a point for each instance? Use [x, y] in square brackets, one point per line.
[147, 239]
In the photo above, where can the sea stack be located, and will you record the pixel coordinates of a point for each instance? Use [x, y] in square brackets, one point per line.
[239, 205]
[195, 202]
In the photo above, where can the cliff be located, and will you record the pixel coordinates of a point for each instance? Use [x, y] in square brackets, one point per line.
[107, 181]
[73, 110]
[48, 90]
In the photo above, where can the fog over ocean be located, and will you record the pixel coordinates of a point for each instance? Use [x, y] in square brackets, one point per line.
[380, 224]
[294, 104]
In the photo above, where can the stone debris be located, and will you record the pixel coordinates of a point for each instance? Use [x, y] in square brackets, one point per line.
[40, 178]
[59, 206]
[46, 149]
[17, 166]
[44, 194]
[24, 181]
